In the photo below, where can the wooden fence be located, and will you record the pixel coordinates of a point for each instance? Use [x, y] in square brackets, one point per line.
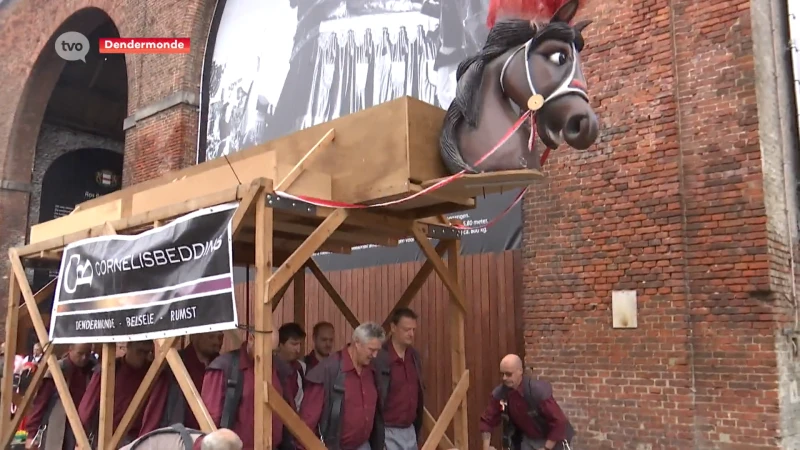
[492, 284]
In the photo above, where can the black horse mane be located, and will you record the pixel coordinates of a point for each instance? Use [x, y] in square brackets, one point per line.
[504, 36]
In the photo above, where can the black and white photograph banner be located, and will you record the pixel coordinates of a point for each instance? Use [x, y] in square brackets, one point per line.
[169, 281]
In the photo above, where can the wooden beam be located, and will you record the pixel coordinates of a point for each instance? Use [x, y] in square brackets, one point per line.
[428, 422]
[299, 284]
[276, 299]
[6, 391]
[246, 205]
[135, 406]
[265, 285]
[52, 362]
[337, 299]
[416, 284]
[40, 295]
[449, 411]
[304, 252]
[458, 344]
[308, 440]
[450, 282]
[22, 407]
[339, 237]
[305, 161]
[124, 224]
[108, 381]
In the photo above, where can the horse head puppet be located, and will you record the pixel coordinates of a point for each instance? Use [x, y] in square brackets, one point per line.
[529, 68]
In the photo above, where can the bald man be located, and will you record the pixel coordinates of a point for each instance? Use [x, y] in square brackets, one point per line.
[532, 420]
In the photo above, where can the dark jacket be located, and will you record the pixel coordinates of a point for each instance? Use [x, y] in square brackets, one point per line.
[534, 392]
[383, 367]
[60, 435]
[325, 373]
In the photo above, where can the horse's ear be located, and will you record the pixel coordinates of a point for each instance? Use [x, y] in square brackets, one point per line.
[581, 25]
[566, 12]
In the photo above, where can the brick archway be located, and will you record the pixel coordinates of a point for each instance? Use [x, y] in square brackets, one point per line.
[28, 108]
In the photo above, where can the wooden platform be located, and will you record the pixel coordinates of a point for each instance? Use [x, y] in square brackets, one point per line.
[384, 153]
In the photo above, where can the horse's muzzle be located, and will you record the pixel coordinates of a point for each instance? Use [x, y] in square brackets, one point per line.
[569, 119]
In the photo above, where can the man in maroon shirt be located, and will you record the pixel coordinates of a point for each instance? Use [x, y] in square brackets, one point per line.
[322, 336]
[532, 418]
[341, 401]
[47, 424]
[130, 371]
[290, 342]
[399, 368]
[230, 381]
[167, 404]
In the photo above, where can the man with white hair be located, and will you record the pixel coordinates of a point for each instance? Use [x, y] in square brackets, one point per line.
[341, 400]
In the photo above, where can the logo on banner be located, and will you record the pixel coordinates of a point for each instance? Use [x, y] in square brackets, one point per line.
[83, 274]
[164, 282]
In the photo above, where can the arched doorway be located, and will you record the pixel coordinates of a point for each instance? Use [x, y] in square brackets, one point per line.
[67, 106]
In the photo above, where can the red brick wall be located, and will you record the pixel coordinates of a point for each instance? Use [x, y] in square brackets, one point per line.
[670, 204]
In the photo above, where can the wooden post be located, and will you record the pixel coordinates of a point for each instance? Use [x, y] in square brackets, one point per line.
[52, 362]
[105, 425]
[458, 343]
[300, 303]
[262, 314]
[7, 387]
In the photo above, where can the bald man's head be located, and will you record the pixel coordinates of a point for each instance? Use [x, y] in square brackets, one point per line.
[511, 369]
[222, 439]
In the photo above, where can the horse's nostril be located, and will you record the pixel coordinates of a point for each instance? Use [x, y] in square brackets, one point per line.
[575, 124]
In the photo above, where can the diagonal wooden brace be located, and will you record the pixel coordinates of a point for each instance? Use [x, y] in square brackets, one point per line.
[190, 391]
[305, 161]
[24, 321]
[439, 266]
[298, 259]
[22, 407]
[448, 413]
[247, 204]
[308, 440]
[333, 294]
[52, 362]
[416, 284]
[135, 406]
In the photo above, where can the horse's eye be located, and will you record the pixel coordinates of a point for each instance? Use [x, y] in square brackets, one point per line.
[558, 58]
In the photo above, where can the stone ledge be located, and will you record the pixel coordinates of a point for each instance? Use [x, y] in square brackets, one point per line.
[171, 101]
[18, 186]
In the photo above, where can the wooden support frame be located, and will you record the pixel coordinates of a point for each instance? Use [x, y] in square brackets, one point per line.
[260, 215]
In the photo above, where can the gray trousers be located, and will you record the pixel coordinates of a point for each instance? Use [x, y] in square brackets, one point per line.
[536, 444]
[401, 438]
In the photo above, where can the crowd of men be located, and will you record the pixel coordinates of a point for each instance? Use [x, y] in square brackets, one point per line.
[367, 396]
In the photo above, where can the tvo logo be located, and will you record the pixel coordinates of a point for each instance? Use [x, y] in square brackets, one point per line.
[77, 274]
[72, 46]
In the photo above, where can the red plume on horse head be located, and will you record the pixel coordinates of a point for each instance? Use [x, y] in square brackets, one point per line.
[522, 9]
